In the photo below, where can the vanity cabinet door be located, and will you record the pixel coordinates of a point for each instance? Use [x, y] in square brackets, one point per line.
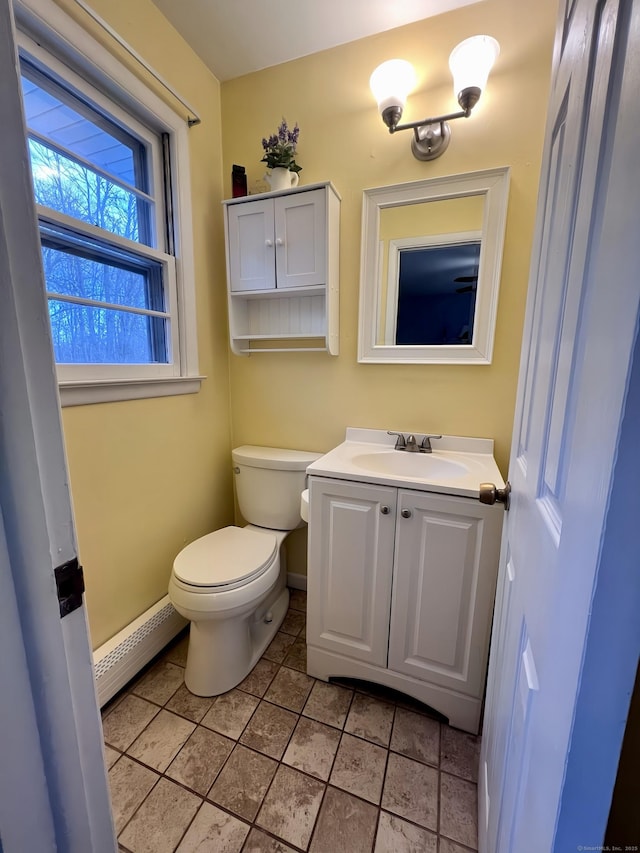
[301, 239]
[351, 537]
[251, 246]
[446, 560]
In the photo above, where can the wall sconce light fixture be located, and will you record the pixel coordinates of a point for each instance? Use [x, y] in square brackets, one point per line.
[470, 63]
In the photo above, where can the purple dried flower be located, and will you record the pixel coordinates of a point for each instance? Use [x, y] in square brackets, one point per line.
[280, 148]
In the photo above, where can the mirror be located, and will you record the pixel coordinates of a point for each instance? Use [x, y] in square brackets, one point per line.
[430, 270]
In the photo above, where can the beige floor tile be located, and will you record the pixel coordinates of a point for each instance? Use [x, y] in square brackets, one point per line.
[269, 729]
[448, 846]
[200, 760]
[130, 783]
[110, 756]
[177, 652]
[359, 768]
[188, 705]
[129, 717]
[161, 820]
[260, 842]
[312, 748]
[328, 703]
[293, 623]
[291, 806]
[395, 834]
[259, 678]
[160, 683]
[416, 736]
[460, 753]
[458, 810]
[370, 719]
[243, 782]
[161, 741]
[279, 646]
[289, 689]
[214, 830]
[298, 600]
[230, 713]
[297, 656]
[411, 791]
[344, 823]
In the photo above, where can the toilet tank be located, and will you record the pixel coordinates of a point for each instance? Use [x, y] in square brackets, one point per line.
[269, 481]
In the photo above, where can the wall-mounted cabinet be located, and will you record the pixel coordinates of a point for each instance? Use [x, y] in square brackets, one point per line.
[283, 270]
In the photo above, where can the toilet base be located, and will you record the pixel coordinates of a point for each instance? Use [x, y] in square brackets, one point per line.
[223, 652]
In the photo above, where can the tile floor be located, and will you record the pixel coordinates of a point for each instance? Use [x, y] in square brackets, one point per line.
[284, 763]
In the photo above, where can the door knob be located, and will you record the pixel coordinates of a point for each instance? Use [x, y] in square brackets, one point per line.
[406, 513]
[490, 495]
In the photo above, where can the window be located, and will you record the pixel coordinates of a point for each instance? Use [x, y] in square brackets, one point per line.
[119, 286]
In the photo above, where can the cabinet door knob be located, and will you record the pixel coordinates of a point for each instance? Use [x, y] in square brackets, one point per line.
[385, 510]
[406, 513]
[268, 242]
[279, 241]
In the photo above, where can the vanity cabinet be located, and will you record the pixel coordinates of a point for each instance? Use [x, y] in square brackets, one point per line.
[400, 588]
[282, 270]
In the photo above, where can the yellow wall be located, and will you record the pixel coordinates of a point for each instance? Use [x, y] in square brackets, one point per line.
[306, 401]
[151, 475]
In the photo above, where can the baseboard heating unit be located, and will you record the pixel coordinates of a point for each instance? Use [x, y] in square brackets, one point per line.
[123, 656]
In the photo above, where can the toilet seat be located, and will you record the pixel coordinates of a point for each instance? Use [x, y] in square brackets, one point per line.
[225, 559]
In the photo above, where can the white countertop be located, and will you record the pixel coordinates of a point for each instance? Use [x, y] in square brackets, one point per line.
[459, 464]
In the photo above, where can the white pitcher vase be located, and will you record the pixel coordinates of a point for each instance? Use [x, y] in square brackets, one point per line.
[282, 179]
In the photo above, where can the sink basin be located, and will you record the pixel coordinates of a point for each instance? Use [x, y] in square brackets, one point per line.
[402, 464]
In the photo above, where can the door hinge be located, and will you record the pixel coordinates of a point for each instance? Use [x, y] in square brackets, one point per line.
[70, 586]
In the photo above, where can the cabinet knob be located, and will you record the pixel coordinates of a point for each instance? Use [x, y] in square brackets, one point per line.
[279, 241]
[406, 513]
[268, 242]
[385, 510]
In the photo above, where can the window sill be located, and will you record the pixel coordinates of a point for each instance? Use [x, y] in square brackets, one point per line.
[86, 393]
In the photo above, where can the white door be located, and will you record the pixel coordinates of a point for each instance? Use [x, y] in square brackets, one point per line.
[301, 239]
[446, 559]
[53, 786]
[579, 340]
[351, 533]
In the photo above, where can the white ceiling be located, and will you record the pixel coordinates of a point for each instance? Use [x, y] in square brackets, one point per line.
[235, 37]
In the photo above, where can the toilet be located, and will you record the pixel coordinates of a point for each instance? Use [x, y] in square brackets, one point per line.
[231, 584]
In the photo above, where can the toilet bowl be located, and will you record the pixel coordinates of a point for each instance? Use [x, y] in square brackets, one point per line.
[231, 584]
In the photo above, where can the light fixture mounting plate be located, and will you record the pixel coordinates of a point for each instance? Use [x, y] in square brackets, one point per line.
[430, 140]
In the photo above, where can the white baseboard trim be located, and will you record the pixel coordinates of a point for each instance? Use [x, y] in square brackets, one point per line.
[295, 581]
[123, 656]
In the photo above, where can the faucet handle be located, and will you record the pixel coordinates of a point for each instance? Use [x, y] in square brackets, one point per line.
[425, 444]
[401, 441]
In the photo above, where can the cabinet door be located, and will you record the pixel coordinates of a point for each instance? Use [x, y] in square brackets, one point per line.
[446, 561]
[351, 537]
[301, 239]
[251, 245]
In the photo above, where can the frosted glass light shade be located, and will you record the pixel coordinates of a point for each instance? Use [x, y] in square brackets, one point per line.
[471, 61]
[391, 83]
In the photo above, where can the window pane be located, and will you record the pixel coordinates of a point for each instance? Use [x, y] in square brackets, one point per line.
[72, 274]
[83, 334]
[57, 114]
[68, 187]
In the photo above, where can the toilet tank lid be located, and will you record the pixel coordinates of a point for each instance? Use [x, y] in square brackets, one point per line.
[273, 457]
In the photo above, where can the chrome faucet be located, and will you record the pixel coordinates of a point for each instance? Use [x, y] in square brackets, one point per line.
[412, 445]
[409, 443]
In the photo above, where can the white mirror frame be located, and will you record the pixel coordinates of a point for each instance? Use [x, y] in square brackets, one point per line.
[493, 185]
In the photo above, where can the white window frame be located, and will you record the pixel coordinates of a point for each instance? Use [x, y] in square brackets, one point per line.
[50, 38]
